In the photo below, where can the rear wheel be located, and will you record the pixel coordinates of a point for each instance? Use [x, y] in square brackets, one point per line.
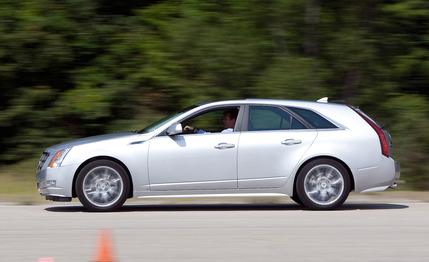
[102, 185]
[323, 184]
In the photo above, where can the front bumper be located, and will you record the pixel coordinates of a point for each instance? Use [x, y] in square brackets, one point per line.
[56, 183]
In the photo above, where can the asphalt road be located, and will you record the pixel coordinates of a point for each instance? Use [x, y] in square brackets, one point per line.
[361, 231]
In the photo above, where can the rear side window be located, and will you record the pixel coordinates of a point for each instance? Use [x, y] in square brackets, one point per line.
[313, 118]
[271, 118]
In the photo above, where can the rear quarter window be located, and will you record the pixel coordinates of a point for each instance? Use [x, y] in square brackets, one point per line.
[313, 118]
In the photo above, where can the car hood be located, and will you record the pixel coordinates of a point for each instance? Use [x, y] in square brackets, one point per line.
[92, 139]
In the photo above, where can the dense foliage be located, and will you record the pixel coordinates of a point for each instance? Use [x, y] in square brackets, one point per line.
[74, 68]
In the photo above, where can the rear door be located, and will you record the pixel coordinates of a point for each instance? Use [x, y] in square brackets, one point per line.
[270, 146]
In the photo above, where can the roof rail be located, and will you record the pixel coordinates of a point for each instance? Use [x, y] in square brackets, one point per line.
[323, 100]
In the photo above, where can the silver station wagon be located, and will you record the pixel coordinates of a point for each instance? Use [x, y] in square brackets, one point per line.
[314, 152]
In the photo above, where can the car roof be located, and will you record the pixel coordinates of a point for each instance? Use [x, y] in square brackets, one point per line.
[281, 102]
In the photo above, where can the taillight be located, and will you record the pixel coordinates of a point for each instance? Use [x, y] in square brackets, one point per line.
[381, 135]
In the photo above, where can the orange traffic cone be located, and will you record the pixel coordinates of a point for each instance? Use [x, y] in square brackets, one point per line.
[104, 253]
[46, 259]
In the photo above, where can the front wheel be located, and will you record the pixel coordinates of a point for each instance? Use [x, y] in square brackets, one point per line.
[102, 185]
[323, 184]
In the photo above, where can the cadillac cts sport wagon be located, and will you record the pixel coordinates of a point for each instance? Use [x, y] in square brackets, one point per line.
[314, 152]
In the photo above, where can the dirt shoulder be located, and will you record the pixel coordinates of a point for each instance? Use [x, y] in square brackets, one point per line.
[392, 196]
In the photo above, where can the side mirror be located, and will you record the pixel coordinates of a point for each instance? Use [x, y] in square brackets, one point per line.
[174, 129]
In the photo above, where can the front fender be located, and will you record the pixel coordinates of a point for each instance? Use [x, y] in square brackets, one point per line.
[132, 155]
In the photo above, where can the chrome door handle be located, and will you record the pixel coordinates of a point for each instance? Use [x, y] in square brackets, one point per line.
[289, 142]
[224, 146]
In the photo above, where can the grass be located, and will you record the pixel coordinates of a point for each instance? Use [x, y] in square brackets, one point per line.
[18, 182]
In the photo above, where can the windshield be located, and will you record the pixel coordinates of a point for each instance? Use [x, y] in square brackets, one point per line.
[164, 120]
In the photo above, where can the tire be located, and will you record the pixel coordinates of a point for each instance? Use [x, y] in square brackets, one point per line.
[323, 184]
[102, 185]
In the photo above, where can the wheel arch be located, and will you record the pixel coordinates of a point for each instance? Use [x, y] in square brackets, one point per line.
[130, 194]
[349, 171]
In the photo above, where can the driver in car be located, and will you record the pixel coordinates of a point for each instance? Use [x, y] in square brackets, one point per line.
[228, 121]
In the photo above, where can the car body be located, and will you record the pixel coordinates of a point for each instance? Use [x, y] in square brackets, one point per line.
[273, 141]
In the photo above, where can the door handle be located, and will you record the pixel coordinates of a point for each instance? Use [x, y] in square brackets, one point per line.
[224, 146]
[289, 142]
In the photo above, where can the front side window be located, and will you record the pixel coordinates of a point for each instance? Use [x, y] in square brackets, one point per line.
[220, 120]
[271, 118]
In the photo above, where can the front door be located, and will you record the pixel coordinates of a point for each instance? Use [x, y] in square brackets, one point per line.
[204, 157]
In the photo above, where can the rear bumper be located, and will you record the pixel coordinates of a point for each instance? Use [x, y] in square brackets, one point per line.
[378, 178]
[397, 175]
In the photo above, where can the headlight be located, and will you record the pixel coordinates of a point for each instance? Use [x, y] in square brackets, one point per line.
[58, 158]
